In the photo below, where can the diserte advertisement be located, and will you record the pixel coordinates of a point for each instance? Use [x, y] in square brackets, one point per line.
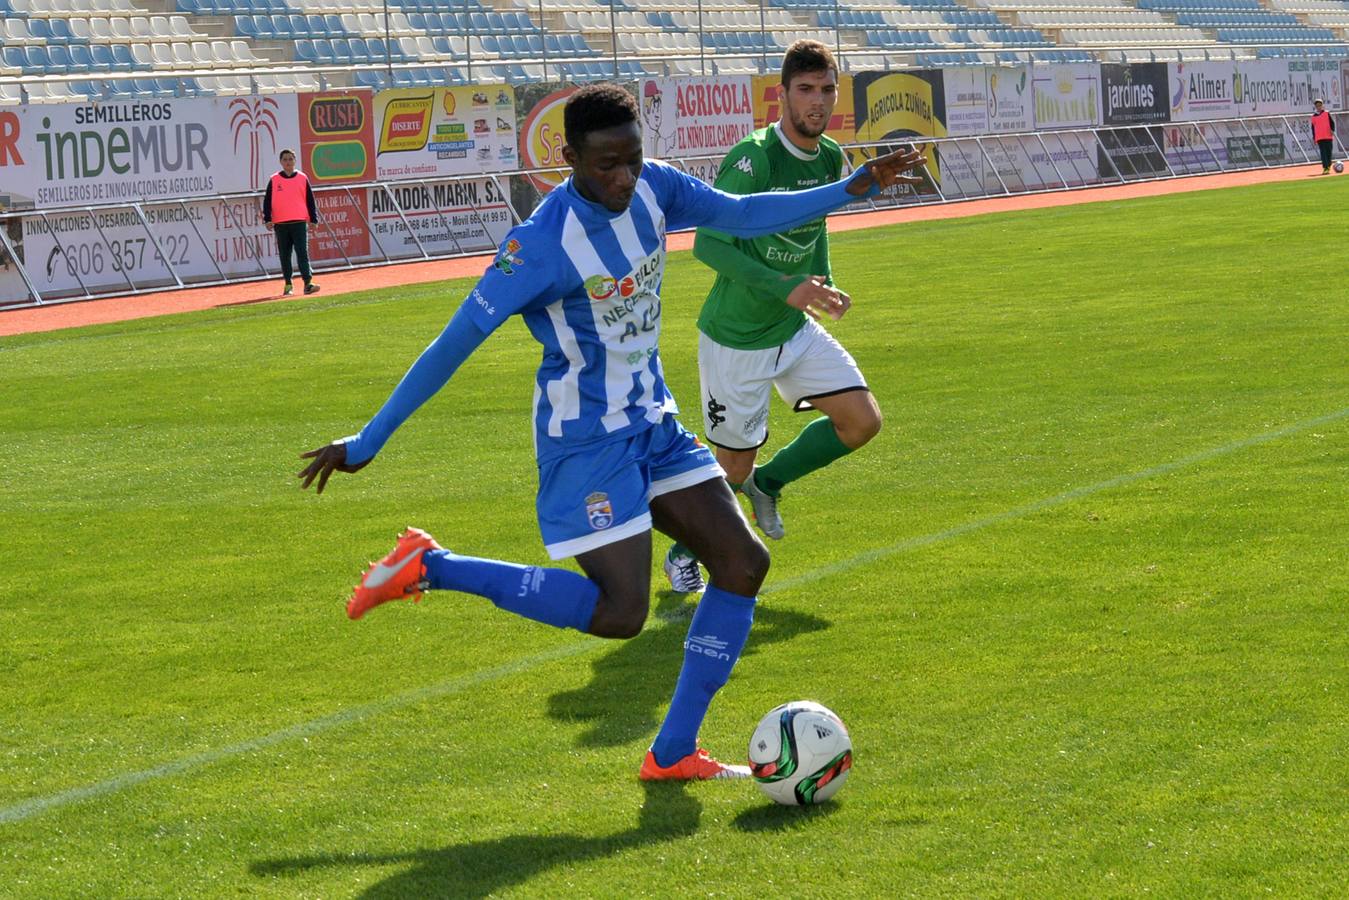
[429, 132]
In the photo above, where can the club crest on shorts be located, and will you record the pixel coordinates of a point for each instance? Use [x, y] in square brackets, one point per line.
[598, 510]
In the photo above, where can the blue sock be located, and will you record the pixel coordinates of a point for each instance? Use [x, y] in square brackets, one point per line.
[716, 636]
[555, 597]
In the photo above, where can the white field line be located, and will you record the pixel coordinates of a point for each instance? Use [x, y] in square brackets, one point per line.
[38, 805]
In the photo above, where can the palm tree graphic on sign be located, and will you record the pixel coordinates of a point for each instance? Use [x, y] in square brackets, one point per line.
[252, 118]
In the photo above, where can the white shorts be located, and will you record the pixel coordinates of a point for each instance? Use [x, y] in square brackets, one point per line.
[736, 383]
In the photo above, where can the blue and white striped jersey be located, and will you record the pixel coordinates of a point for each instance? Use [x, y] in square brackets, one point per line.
[587, 283]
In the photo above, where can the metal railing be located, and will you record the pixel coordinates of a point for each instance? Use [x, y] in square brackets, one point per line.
[81, 252]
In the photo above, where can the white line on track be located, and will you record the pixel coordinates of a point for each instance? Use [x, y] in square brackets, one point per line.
[38, 805]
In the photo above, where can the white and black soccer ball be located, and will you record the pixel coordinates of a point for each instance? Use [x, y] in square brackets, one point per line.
[1339, 167]
[800, 754]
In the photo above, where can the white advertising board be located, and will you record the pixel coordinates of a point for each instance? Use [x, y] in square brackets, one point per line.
[967, 101]
[1067, 95]
[122, 151]
[1009, 98]
[689, 117]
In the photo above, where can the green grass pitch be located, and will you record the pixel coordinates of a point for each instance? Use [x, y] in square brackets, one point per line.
[1081, 603]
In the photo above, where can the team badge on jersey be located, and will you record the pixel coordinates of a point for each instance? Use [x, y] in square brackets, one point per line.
[598, 510]
[506, 259]
[600, 287]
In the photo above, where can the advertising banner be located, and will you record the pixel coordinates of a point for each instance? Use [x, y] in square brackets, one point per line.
[337, 136]
[1131, 153]
[1134, 94]
[542, 137]
[768, 106]
[1314, 79]
[1208, 146]
[202, 239]
[446, 217]
[967, 101]
[688, 117]
[902, 107]
[1009, 98]
[88, 153]
[963, 169]
[1264, 88]
[1067, 95]
[432, 132]
[1043, 162]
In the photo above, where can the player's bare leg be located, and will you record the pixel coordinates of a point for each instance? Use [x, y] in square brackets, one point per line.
[707, 519]
[622, 570]
[855, 414]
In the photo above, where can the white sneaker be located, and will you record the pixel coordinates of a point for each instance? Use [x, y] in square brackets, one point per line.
[765, 509]
[685, 575]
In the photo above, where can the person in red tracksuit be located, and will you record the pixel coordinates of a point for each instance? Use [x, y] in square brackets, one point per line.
[1323, 132]
[289, 207]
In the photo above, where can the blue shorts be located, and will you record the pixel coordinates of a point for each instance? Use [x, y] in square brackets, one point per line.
[602, 494]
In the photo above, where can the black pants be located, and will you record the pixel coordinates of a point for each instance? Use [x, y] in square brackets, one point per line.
[1326, 147]
[294, 236]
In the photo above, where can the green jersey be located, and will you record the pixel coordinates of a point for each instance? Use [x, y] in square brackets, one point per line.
[746, 308]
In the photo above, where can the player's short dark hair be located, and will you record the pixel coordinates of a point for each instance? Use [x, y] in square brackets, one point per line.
[596, 107]
[283, 153]
[806, 56]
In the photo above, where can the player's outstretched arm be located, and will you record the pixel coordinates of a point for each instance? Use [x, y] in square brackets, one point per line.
[751, 215]
[323, 462]
[426, 376]
[886, 171]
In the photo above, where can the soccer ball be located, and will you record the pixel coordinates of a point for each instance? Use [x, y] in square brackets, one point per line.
[800, 754]
[1339, 167]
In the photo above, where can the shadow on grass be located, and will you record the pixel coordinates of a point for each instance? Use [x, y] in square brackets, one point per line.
[776, 817]
[631, 685]
[482, 868]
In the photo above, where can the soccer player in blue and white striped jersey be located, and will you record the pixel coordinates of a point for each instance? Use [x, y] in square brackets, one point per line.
[584, 271]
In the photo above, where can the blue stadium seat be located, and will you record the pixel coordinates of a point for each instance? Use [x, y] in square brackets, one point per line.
[60, 30]
[102, 57]
[370, 78]
[80, 58]
[41, 61]
[122, 58]
[39, 28]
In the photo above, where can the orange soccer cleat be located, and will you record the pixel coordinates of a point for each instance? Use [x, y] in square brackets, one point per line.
[398, 576]
[697, 766]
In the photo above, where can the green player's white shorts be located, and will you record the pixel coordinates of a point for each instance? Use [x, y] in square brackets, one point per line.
[737, 384]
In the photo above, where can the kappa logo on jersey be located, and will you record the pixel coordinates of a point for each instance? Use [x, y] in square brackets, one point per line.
[506, 258]
[598, 510]
[744, 165]
[600, 287]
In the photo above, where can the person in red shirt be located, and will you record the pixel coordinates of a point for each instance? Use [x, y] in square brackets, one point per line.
[1323, 132]
[289, 207]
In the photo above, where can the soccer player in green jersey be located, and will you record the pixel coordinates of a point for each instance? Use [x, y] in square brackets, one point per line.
[760, 326]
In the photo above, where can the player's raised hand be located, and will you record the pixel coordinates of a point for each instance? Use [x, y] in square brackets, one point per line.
[813, 296]
[323, 462]
[887, 171]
